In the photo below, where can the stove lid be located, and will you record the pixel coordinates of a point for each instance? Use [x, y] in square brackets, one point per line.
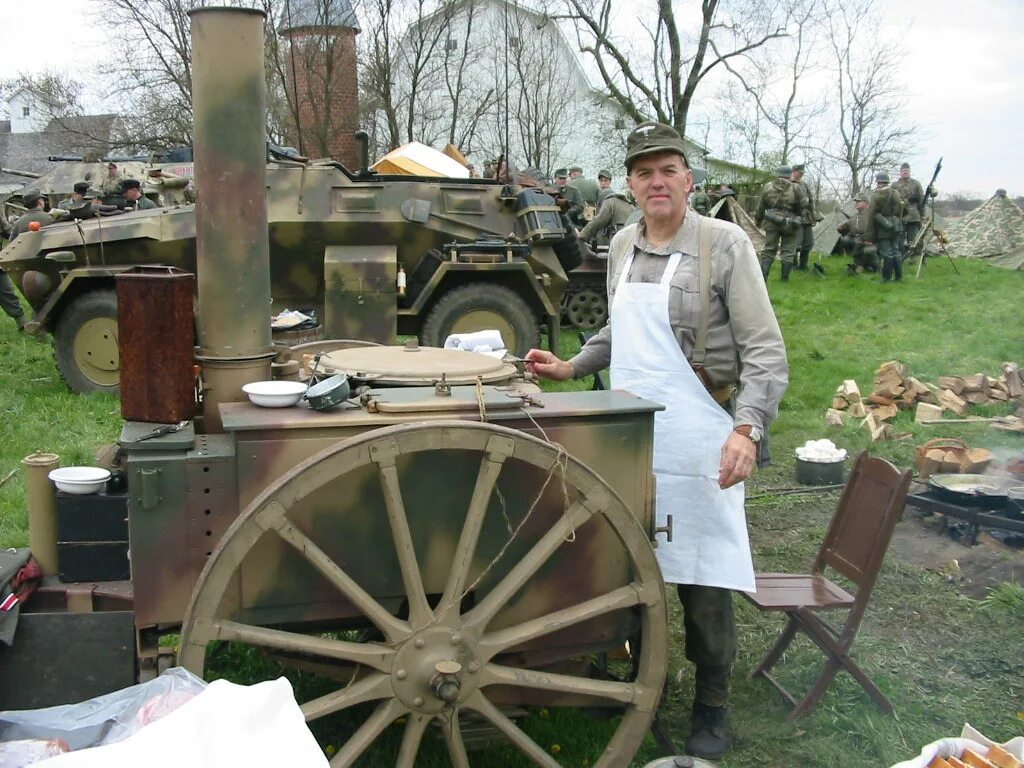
[413, 365]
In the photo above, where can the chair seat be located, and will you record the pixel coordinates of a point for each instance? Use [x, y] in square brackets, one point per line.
[788, 592]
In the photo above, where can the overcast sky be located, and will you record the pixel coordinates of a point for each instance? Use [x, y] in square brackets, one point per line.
[963, 68]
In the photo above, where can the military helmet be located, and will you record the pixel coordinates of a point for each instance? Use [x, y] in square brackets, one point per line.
[604, 173]
[860, 197]
[561, 173]
[783, 171]
[904, 166]
[30, 197]
[653, 138]
[799, 167]
[882, 176]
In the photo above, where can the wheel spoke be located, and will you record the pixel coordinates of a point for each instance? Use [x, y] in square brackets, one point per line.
[367, 733]
[415, 726]
[419, 609]
[480, 703]
[496, 642]
[624, 693]
[499, 448]
[370, 688]
[453, 738]
[273, 518]
[504, 590]
[373, 655]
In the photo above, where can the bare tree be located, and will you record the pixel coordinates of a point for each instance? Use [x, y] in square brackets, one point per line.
[659, 75]
[874, 131]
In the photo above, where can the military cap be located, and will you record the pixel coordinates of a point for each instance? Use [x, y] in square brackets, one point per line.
[130, 184]
[81, 187]
[30, 197]
[576, 169]
[652, 138]
[111, 164]
[783, 170]
[860, 197]
[904, 166]
[604, 173]
[561, 173]
[882, 176]
[800, 167]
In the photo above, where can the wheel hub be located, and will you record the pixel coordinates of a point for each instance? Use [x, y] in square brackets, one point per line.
[95, 350]
[435, 668]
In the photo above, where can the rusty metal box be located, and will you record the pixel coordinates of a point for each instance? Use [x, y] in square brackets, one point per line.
[156, 333]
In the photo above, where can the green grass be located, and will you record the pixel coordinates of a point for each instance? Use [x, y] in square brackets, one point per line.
[942, 658]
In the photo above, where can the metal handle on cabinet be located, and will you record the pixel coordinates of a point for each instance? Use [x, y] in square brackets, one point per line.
[666, 528]
[149, 479]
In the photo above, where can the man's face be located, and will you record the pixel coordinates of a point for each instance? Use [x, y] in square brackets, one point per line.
[796, 175]
[604, 183]
[561, 181]
[575, 174]
[132, 194]
[904, 173]
[861, 204]
[661, 184]
[112, 171]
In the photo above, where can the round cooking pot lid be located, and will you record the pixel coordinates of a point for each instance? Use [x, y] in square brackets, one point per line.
[414, 365]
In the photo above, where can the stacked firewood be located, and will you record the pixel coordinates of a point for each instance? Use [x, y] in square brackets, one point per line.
[895, 390]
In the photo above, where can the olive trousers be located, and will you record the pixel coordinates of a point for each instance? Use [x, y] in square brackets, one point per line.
[778, 241]
[889, 255]
[910, 230]
[9, 299]
[710, 627]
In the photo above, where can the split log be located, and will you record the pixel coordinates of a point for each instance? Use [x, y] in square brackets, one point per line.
[998, 384]
[976, 383]
[906, 401]
[976, 461]
[892, 369]
[949, 400]
[833, 418]
[998, 395]
[1014, 381]
[888, 390]
[976, 398]
[926, 412]
[885, 412]
[849, 391]
[876, 399]
[930, 395]
[839, 403]
[858, 410]
[879, 429]
[953, 383]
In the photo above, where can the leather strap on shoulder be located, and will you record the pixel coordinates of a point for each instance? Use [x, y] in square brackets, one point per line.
[704, 267]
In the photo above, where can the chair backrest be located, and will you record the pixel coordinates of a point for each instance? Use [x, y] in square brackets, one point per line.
[865, 518]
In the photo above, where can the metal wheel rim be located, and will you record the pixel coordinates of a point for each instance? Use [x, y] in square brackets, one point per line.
[95, 351]
[486, 319]
[587, 310]
[267, 515]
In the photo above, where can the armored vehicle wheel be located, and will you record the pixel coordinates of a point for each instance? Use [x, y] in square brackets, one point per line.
[587, 309]
[479, 307]
[85, 343]
[472, 596]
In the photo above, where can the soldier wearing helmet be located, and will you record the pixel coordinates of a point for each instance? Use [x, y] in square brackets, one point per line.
[885, 226]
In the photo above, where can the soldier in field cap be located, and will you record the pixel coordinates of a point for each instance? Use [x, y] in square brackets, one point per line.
[913, 197]
[588, 187]
[604, 178]
[689, 323]
[572, 196]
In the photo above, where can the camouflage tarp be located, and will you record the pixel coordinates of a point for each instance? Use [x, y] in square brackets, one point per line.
[825, 233]
[993, 231]
[728, 209]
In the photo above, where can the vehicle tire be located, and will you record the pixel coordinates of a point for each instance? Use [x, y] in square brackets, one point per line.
[479, 307]
[85, 343]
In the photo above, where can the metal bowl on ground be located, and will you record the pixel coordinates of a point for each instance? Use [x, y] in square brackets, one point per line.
[819, 472]
[274, 394]
[80, 481]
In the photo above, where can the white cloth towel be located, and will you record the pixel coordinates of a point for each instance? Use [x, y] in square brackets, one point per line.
[474, 342]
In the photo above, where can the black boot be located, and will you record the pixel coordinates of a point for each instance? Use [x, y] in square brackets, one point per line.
[709, 737]
[766, 268]
[785, 271]
[802, 258]
[887, 269]
[897, 270]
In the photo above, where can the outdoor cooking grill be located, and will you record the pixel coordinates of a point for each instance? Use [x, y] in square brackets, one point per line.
[1002, 514]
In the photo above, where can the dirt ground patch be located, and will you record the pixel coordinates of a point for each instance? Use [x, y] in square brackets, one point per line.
[922, 541]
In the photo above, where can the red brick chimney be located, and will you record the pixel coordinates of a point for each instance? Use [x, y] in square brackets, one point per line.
[320, 62]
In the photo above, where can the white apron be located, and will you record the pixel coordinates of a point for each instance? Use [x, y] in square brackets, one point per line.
[709, 529]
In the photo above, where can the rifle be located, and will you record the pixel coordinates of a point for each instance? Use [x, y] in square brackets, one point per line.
[924, 197]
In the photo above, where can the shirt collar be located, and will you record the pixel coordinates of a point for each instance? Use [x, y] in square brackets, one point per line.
[685, 240]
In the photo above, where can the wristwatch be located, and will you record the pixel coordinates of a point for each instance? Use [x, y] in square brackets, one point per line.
[750, 432]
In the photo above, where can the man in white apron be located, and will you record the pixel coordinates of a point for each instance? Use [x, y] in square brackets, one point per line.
[689, 321]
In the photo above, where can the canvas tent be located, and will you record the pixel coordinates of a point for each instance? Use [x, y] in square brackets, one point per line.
[825, 233]
[728, 209]
[993, 231]
[415, 159]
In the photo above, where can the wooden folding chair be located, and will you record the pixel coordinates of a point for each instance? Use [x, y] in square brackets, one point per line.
[854, 546]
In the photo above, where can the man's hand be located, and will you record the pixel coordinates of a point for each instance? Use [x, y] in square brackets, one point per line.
[548, 365]
[738, 455]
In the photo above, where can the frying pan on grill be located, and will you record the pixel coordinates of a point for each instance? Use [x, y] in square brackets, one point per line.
[988, 491]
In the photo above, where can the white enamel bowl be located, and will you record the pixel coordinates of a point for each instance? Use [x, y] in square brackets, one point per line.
[274, 394]
[80, 480]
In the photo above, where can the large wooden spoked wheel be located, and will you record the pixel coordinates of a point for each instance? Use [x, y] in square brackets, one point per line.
[470, 603]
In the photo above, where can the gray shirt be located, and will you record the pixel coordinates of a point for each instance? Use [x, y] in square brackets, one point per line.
[744, 341]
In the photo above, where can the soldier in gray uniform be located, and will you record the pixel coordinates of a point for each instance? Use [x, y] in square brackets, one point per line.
[885, 226]
[779, 214]
[913, 197]
[613, 211]
[80, 190]
[604, 180]
[809, 216]
[851, 238]
[571, 195]
[588, 187]
[131, 190]
[9, 302]
[700, 202]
